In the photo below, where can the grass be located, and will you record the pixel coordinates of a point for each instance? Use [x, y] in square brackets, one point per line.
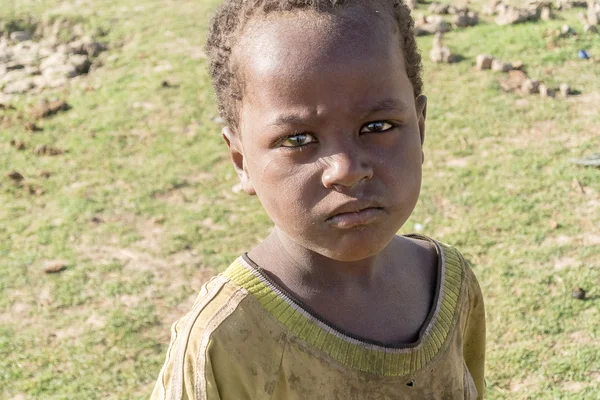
[142, 210]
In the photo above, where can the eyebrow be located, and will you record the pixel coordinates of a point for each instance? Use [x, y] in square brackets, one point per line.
[382, 105]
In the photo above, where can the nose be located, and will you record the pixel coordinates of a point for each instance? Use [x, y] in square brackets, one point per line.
[345, 170]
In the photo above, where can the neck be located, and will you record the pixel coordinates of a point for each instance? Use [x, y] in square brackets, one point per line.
[293, 263]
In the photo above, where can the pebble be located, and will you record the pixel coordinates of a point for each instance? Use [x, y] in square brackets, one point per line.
[20, 36]
[565, 90]
[578, 293]
[545, 91]
[501, 66]
[484, 61]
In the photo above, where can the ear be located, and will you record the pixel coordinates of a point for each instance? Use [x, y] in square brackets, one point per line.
[236, 153]
[421, 105]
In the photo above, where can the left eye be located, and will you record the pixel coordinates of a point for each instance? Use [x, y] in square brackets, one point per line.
[376, 127]
[298, 140]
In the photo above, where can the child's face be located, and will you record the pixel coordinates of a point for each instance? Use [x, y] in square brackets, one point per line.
[329, 136]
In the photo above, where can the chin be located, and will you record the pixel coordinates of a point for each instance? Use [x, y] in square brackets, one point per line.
[354, 247]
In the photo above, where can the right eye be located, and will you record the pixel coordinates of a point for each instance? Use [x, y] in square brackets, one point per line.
[298, 140]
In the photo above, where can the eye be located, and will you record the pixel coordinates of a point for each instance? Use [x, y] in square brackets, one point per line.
[298, 140]
[376, 127]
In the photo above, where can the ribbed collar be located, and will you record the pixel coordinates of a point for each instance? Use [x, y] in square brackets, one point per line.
[351, 351]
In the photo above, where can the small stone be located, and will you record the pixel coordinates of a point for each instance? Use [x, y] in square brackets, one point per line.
[19, 87]
[501, 66]
[566, 31]
[32, 127]
[18, 144]
[439, 8]
[587, 28]
[514, 81]
[546, 91]
[466, 19]
[440, 53]
[15, 176]
[546, 14]
[530, 86]
[54, 266]
[20, 36]
[565, 90]
[518, 65]
[578, 293]
[43, 150]
[484, 61]
[431, 25]
[45, 174]
[80, 62]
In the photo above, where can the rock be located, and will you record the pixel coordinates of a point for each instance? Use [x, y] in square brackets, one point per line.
[54, 266]
[567, 4]
[439, 8]
[80, 62]
[565, 90]
[18, 144]
[566, 31]
[501, 66]
[592, 160]
[54, 60]
[508, 15]
[13, 76]
[431, 25]
[19, 87]
[514, 81]
[578, 293]
[43, 150]
[94, 48]
[20, 36]
[517, 65]
[587, 28]
[440, 53]
[546, 14]
[15, 176]
[530, 86]
[484, 61]
[467, 19]
[593, 18]
[546, 91]
[45, 108]
[32, 127]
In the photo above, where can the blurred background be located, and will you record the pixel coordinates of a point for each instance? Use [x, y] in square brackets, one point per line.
[118, 200]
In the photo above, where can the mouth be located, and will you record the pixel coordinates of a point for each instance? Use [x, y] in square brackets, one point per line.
[355, 214]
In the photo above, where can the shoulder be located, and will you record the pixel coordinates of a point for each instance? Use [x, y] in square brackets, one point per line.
[219, 318]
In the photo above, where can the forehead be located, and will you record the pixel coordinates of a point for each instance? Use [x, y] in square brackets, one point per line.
[291, 57]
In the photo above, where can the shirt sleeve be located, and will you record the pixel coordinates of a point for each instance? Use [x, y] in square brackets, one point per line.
[178, 377]
[474, 334]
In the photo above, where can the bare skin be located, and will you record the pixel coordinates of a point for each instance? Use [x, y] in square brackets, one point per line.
[330, 139]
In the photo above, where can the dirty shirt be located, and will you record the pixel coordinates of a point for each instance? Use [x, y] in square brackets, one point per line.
[247, 338]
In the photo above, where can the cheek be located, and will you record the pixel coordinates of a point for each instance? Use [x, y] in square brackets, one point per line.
[286, 190]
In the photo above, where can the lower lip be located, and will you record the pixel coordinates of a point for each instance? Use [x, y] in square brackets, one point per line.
[351, 220]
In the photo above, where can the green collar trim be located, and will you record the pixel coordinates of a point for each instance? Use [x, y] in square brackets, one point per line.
[349, 351]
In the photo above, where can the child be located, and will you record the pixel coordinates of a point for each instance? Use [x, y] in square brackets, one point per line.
[326, 123]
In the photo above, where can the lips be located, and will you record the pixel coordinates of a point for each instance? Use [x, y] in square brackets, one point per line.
[355, 213]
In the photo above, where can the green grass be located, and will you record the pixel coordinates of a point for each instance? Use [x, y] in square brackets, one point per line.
[498, 184]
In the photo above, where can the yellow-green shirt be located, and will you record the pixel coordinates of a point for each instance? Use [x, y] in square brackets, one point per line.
[246, 338]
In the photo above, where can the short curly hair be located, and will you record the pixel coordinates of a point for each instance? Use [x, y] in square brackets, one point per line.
[232, 16]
